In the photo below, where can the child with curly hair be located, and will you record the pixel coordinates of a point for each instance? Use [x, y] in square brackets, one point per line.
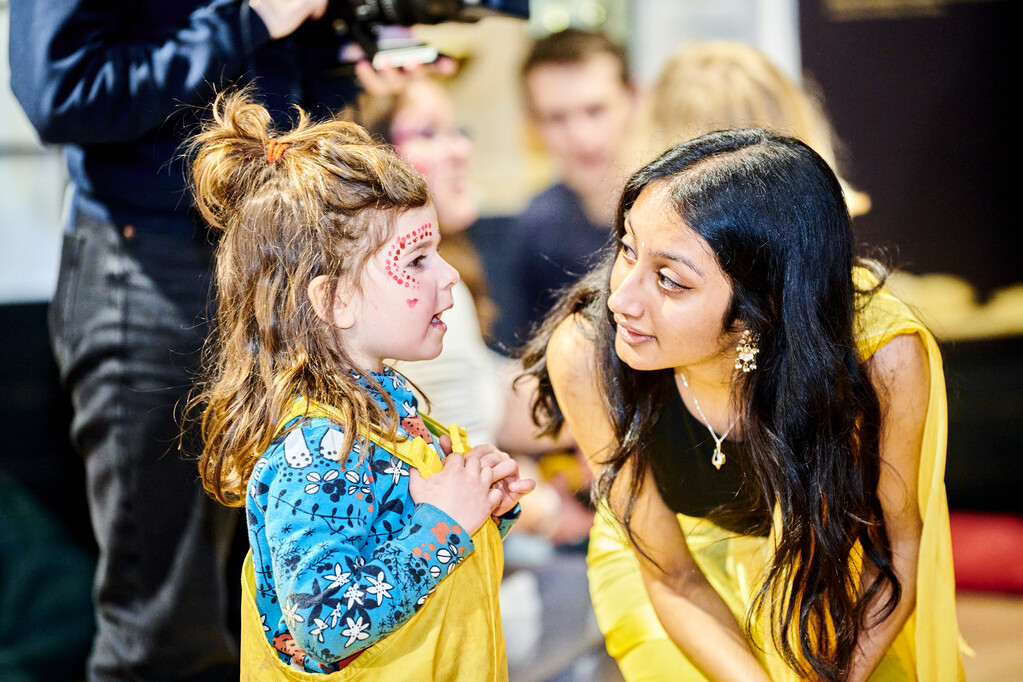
[375, 533]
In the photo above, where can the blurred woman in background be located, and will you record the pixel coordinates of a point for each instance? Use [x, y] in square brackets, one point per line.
[718, 84]
[549, 624]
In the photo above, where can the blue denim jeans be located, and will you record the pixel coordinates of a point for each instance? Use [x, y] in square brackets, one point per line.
[127, 323]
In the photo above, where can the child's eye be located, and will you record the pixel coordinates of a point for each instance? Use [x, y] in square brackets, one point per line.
[417, 262]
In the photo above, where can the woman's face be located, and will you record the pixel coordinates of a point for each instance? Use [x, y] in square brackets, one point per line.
[425, 134]
[669, 295]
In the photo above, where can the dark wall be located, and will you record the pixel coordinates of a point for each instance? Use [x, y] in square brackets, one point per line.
[928, 108]
[985, 424]
[35, 414]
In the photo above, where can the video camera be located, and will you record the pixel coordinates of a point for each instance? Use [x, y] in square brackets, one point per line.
[363, 20]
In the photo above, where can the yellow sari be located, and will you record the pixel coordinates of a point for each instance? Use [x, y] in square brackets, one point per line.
[927, 648]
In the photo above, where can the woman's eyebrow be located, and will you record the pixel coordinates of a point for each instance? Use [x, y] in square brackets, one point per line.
[678, 258]
[667, 255]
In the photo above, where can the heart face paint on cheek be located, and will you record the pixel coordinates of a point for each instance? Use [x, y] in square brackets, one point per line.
[398, 246]
[411, 302]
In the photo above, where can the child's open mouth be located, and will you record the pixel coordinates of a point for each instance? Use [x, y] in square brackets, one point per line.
[435, 321]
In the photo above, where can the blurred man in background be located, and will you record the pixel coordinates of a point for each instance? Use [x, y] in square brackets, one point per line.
[582, 103]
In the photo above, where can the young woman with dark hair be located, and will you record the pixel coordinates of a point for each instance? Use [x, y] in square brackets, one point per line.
[794, 541]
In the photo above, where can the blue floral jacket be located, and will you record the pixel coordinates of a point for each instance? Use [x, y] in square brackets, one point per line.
[341, 553]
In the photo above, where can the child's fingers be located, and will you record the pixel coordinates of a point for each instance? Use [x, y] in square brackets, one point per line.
[494, 499]
[445, 444]
[504, 468]
[501, 485]
[415, 483]
[521, 486]
[485, 451]
[475, 467]
[487, 476]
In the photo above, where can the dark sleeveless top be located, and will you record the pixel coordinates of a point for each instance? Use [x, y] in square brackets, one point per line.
[679, 448]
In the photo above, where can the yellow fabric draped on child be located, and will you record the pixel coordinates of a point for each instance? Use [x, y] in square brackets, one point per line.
[426, 646]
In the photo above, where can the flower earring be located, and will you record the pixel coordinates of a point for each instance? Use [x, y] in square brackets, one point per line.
[748, 348]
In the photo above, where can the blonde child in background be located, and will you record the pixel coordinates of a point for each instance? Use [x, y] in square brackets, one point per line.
[372, 553]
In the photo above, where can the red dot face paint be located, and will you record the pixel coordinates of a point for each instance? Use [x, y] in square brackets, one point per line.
[400, 275]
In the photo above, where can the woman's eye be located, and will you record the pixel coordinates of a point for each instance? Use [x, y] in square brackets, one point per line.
[427, 133]
[626, 249]
[669, 283]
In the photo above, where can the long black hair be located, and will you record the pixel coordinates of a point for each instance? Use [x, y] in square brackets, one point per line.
[773, 212]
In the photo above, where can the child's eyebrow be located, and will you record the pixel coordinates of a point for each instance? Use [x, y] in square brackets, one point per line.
[419, 246]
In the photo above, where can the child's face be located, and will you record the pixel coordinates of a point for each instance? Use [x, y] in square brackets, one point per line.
[404, 289]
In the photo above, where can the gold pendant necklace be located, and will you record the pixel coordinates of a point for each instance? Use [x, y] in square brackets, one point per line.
[718, 458]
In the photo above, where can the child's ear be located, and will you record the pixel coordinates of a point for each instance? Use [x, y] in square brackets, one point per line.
[336, 313]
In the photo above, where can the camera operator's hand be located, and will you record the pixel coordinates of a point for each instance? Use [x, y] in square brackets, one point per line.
[384, 79]
[282, 17]
[389, 80]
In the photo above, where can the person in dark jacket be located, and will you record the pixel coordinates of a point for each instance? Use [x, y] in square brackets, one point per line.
[118, 84]
[582, 103]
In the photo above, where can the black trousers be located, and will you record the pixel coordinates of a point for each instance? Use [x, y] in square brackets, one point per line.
[127, 323]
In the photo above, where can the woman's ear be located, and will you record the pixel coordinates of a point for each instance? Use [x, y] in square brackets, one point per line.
[335, 313]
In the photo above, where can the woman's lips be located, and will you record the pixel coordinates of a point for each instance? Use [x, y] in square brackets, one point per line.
[630, 336]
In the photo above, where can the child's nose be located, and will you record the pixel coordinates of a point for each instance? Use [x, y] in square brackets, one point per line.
[450, 277]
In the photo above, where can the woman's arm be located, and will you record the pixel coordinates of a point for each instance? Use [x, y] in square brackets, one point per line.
[691, 611]
[689, 608]
[571, 365]
[900, 374]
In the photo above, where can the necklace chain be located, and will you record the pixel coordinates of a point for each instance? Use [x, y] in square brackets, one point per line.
[718, 458]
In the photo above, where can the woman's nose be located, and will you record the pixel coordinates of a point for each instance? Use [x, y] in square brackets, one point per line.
[625, 296]
[459, 146]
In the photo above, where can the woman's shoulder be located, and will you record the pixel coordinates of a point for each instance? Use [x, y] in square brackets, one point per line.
[896, 345]
[572, 367]
[571, 350]
[881, 316]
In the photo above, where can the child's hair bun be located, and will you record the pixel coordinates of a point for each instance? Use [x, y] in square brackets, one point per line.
[230, 154]
[239, 154]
